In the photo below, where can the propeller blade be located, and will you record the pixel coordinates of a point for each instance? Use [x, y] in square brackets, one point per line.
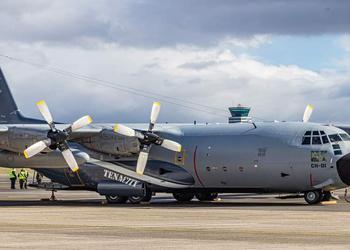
[36, 148]
[124, 130]
[69, 157]
[307, 113]
[82, 122]
[155, 112]
[141, 162]
[171, 145]
[45, 112]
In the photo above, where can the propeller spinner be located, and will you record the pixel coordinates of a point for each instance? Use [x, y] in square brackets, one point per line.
[57, 138]
[147, 139]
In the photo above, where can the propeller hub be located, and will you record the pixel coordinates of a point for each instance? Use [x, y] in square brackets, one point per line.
[57, 136]
[151, 138]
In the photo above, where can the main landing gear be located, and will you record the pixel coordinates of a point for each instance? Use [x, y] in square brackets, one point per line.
[183, 197]
[206, 196]
[201, 196]
[117, 199]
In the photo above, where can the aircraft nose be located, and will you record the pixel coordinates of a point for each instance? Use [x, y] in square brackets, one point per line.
[343, 167]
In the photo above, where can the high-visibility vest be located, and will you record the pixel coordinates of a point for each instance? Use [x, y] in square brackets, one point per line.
[22, 175]
[12, 174]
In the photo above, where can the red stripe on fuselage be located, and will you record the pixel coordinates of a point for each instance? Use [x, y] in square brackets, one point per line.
[311, 182]
[195, 166]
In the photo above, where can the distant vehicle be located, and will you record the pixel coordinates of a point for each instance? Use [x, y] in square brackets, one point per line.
[132, 162]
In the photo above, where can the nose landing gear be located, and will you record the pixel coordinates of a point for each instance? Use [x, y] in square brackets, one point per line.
[313, 197]
[317, 196]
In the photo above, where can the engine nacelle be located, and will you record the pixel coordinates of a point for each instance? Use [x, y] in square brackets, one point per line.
[53, 159]
[111, 143]
[17, 139]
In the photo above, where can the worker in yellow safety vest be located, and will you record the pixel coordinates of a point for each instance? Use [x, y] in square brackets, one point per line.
[13, 177]
[22, 176]
[26, 181]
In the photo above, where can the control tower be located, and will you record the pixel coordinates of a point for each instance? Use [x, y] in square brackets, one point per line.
[239, 114]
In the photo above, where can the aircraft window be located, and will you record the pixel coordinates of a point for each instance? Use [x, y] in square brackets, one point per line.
[336, 146]
[315, 133]
[306, 140]
[324, 139]
[337, 152]
[322, 132]
[308, 133]
[334, 138]
[345, 137]
[316, 140]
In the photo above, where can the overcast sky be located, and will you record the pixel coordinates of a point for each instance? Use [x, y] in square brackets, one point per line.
[275, 56]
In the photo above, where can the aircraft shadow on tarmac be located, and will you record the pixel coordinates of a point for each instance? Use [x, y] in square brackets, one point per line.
[156, 203]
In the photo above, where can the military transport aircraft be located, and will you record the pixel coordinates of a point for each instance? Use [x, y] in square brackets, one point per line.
[130, 162]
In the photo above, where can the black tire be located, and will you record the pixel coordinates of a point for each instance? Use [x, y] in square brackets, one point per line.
[206, 196]
[313, 197]
[137, 199]
[183, 197]
[116, 199]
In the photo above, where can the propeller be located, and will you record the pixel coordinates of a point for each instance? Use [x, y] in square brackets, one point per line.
[57, 139]
[147, 139]
[307, 113]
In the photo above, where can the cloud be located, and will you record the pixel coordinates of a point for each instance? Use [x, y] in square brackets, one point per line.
[168, 23]
[344, 42]
[183, 52]
[214, 77]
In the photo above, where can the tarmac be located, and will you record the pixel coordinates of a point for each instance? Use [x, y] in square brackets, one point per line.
[82, 220]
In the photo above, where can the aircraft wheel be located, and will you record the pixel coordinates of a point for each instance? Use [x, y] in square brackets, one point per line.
[206, 196]
[313, 197]
[116, 199]
[183, 197]
[137, 199]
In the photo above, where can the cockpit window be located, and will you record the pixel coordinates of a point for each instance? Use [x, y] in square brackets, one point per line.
[316, 140]
[324, 139]
[306, 140]
[335, 138]
[345, 137]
